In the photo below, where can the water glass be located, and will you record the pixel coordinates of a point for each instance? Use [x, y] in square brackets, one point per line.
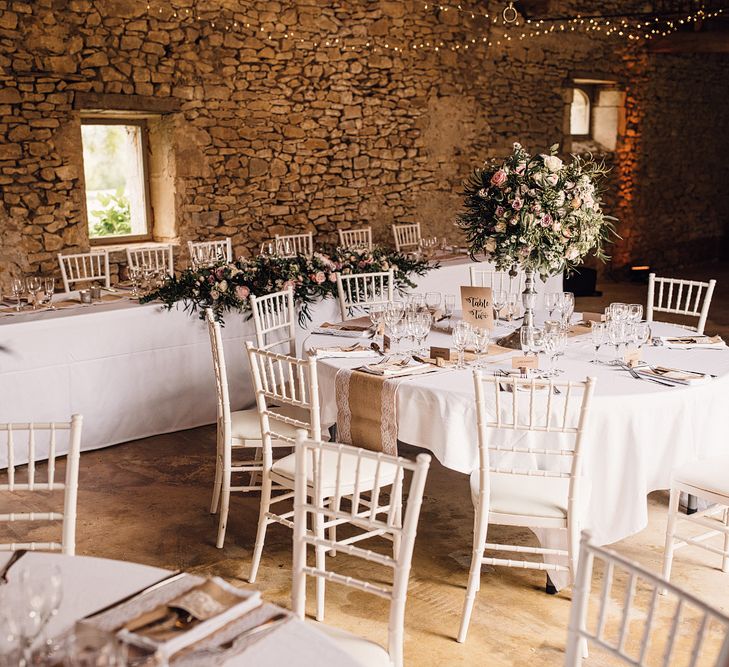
[481, 340]
[568, 307]
[432, 300]
[555, 342]
[33, 283]
[17, 289]
[462, 336]
[49, 289]
[499, 298]
[551, 299]
[641, 332]
[617, 336]
[635, 312]
[512, 306]
[449, 305]
[599, 334]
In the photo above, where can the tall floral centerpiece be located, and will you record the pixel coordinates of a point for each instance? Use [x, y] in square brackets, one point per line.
[536, 213]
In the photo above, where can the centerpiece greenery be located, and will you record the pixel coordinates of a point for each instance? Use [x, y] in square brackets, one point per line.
[226, 287]
[537, 212]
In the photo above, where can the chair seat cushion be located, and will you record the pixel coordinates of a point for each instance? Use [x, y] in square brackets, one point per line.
[245, 424]
[362, 651]
[709, 475]
[544, 497]
[286, 467]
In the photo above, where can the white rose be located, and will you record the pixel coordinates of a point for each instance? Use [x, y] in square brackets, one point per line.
[552, 162]
[223, 286]
[490, 245]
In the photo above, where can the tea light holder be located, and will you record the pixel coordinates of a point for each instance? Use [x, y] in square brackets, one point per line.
[85, 295]
[95, 292]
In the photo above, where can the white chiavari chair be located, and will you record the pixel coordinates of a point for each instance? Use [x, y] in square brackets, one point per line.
[362, 290]
[275, 315]
[407, 237]
[155, 257]
[236, 431]
[680, 297]
[85, 267]
[511, 487]
[283, 381]
[708, 480]
[356, 239]
[18, 482]
[290, 245]
[201, 251]
[622, 626]
[330, 479]
[497, 280]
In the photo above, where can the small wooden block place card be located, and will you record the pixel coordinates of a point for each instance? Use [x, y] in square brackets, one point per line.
[592, 317]
[477, 306]
[632, 357]
[530, 363]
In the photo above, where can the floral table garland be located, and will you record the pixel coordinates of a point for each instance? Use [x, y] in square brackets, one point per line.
[226, 287]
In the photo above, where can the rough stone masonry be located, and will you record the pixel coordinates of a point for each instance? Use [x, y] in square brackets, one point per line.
[304, 117]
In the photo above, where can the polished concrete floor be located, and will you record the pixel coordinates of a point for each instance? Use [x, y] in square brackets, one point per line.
[147, 501]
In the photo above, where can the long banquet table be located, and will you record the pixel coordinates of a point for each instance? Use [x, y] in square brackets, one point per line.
[135, 370]
[91, 584]
[638, 432]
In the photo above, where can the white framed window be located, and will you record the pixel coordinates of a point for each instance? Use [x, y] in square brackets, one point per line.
[117, 179]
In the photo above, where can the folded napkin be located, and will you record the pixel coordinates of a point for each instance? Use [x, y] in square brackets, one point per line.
[673, 375]
[689, 342]
[355, 350]
[397, 367]
[356, 327]
[177, 614]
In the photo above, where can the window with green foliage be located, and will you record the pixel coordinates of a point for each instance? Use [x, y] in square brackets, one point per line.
[117, 197]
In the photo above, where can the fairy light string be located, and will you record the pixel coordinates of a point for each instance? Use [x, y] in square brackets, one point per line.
[486, 29]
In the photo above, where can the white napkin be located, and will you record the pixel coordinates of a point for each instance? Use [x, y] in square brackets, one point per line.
[355, 351]
[691, 342]
[394, 367]
[673, 375]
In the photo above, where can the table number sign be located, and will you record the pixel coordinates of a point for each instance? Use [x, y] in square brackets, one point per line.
[477, 306]
[527, 363]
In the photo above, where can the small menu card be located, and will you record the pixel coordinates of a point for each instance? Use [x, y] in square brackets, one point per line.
[477, 306]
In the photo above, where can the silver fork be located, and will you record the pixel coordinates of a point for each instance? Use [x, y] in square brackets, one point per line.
[643, 377]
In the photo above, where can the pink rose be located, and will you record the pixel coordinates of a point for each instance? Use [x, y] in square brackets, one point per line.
[499, 211]
[242, 292]
[219, 272]
[546, 220]
[517, 204]
[332, 277]
[499, 178]
[318, 277]
[289, 283]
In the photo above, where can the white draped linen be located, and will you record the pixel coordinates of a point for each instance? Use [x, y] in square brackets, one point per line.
[90, 584]
[134, 371]
[638, 433]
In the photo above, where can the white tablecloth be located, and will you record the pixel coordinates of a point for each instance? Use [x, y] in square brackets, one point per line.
[134, 371]
[90, 584]
[638, 433]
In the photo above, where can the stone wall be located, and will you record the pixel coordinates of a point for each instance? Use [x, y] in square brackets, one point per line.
[267, 131]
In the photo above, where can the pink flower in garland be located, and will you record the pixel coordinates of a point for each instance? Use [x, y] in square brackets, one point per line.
[517, 204]
[499, 178]
[318, 277]
[242, 292]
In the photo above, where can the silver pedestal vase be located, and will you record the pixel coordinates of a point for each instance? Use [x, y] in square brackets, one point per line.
[529, 299]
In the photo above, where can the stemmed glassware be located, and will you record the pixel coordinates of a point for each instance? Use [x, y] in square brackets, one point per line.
[512, 305]
[33, 283]
[635, 312]
[17, 289]
[499, 297]
[419, 324]
[551, 299]
[554, 344]
[568, 307]
[532, 340]
[432, 300]
[481, 340]
[462, 336]
[616, 330]
[49, 289]
[599, 334]
[449, 306]
[641, 332]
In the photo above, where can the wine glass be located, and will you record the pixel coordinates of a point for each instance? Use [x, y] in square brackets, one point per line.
[49, 289]
[616, 334]
[525, 338]
[568, 307]
[641, 333]
[449, 306]
[499, 298]
[33, 284]
[432, 300]
[551, 299]
[635, 312]
[599, 333]
[425, 322]
[481, 340]
[554, 345]
[462, 335]
[399, 330]
[17, 289]
[537, 344]
[619, 311]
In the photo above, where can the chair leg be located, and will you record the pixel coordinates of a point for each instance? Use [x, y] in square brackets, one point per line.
[474, 577]
[262, 525]
[550, 588]
[670, 531]
[218, 481]
[692, 504]
[725, 559]
[320, 565]
[255, 473]
[224, 506]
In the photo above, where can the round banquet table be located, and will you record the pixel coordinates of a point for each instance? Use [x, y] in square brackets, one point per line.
[638, 432]
[91, 584]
